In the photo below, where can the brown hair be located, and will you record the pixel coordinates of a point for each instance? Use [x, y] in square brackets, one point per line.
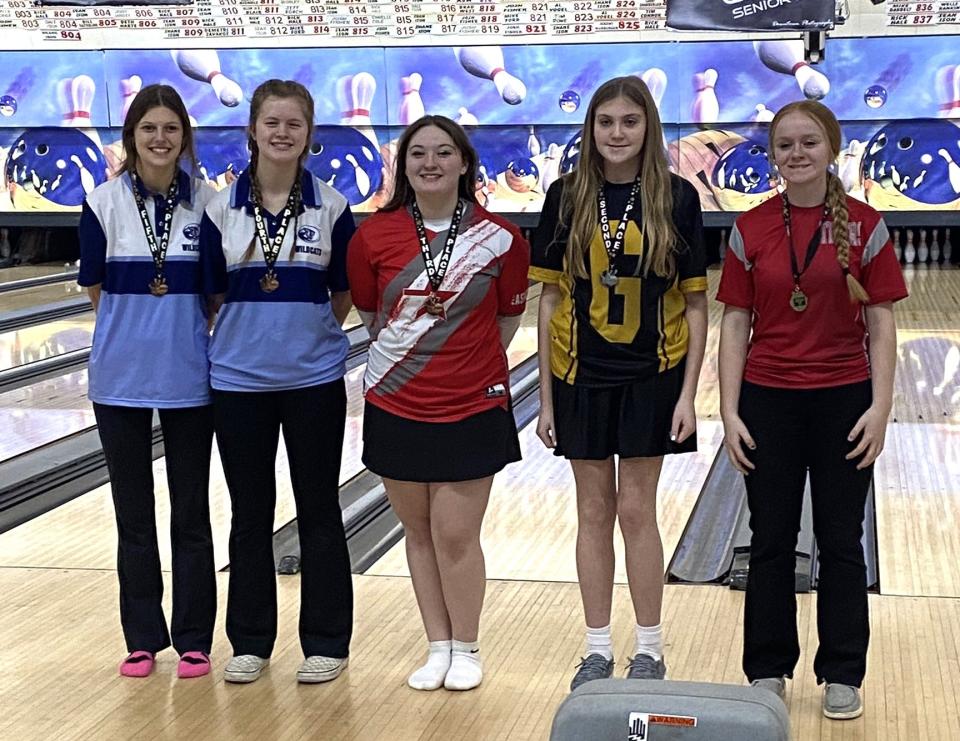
[403, 192]
[578, 210]
[836, 197]
[150, 97]
[277, 89]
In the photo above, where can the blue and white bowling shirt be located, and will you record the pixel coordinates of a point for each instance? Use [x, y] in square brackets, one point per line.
[148, 351]
[289, 338]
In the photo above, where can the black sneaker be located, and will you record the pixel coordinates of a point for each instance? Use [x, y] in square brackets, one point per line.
[594, 666]
[646, 667]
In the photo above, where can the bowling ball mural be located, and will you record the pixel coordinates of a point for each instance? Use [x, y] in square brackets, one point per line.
[8, 105]
[913, 165]
[571, 154]
[53, 169]
[743, 177]
[522, 175]
[569, 101]
[347, 160]
[221, 155]
[875, 96]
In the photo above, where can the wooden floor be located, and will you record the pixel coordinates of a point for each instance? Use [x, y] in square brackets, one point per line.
[61, 638]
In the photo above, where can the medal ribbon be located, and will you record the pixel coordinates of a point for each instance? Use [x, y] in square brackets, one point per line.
[614, 246]
[157, 251]
[271, 248]
[436, 271]
[812, 247]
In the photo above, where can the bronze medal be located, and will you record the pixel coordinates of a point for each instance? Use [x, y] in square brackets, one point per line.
[434, 305]
[798, 300]
[269, 282]
[158, 286]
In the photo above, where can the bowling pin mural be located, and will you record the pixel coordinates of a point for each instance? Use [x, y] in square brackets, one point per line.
[75, 96]
[762, 114]
[203, 65]
[948, 91]
[550, 169]
[656, 81]
[411, 104]
[786, 56]
[465, 118]
[706, 106]
[343, 99]
[486, 62]
[363, 86]
[533, 143]
[129, 87]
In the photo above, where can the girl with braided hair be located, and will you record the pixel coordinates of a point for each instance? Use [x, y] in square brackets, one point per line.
[807, 354]
[273, 250]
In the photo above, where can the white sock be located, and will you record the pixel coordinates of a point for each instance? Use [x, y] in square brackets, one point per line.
[466, 671]
[430, 675]
[649, 640]
[600, 641]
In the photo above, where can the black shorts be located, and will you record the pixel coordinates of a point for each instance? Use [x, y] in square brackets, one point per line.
[632, 421]
[433, 452]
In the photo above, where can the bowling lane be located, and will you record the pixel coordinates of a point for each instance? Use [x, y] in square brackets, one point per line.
[40, 296]
[81, 534]
[22, 272]
[42, 341]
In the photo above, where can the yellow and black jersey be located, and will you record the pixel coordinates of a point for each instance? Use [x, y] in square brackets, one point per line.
[603, 336]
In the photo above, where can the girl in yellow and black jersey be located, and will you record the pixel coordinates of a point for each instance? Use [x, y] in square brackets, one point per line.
[622, 330]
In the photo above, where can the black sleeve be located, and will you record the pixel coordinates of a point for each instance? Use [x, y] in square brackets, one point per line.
[691, 252]
[549, 243]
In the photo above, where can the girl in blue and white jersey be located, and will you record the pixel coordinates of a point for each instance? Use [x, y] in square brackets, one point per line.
[273, 250]
[139, 248]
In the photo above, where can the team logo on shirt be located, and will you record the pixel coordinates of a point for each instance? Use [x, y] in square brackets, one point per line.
[308, 233]
[496, 391]
[853, 229]
[191, 232]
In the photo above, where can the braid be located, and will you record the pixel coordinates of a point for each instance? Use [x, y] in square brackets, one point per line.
[837, 207]
[255, 190]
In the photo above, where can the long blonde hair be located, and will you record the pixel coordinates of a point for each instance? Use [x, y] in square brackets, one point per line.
[578, 205]
[836, 198]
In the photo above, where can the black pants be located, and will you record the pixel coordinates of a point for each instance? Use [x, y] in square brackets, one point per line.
[797, 429]
[126, 435]
[248, 426]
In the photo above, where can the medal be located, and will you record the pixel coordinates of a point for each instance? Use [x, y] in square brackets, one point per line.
[614, 245]
[436, 270]
[158, 286]
[271, 247]
[798, 299]
[609, 278]
[269, 282]
[434, 306]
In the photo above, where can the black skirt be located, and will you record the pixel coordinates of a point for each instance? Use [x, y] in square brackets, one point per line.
[632, 420]
[434, 452]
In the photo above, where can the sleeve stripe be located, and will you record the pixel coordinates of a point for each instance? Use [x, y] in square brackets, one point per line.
[735, 245]
[544, 275]
[692, 285]
[878, 238]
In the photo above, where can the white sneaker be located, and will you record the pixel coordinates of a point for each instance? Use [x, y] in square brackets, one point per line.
[244, 669]
[316, 669]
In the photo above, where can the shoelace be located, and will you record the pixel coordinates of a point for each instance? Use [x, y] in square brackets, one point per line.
[593, 666]
[644, 665]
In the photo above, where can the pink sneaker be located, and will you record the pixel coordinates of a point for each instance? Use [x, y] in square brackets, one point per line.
[137, 664]
[193, 664]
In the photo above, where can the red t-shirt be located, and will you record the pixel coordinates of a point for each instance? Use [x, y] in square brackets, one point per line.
[825, 345]
[425, 367]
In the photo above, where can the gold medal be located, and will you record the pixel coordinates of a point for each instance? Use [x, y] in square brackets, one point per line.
[158, 287]
[269, 283]
[798, 299]
[434, 305]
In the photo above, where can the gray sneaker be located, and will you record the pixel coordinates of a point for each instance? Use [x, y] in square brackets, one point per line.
[842, 702]
[244, 669]
[776, 685]
[316, 669]
[594, 666]
[646, 667]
